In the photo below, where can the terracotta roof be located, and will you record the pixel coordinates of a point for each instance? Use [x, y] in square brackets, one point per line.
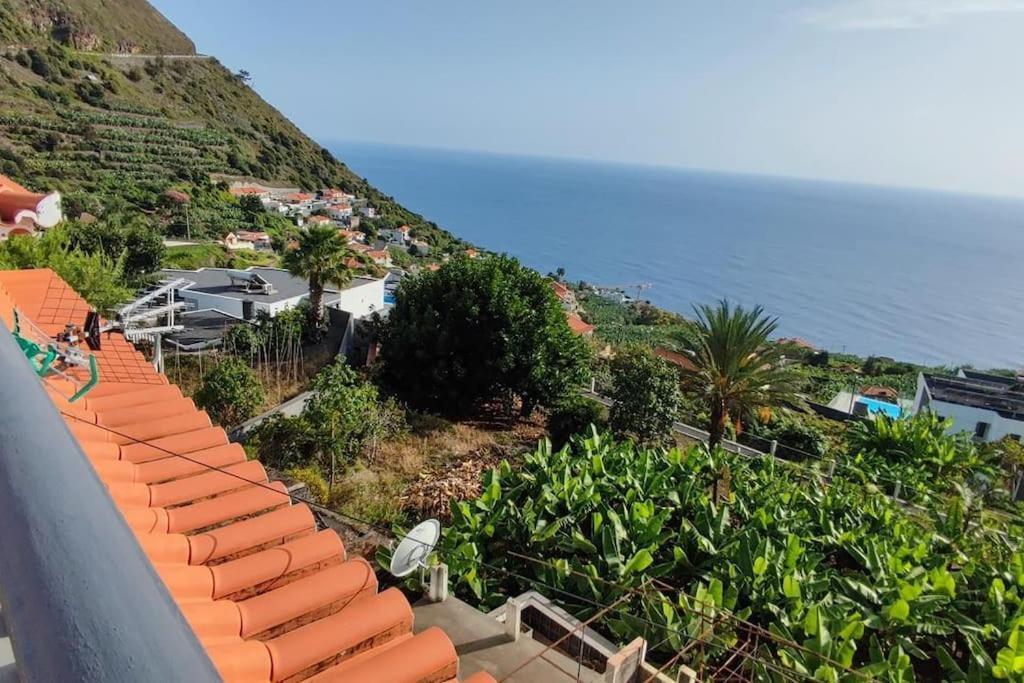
[561, 291]
[242, 191]
[876, 391]
[318, 219]
[577, 325]
[298, 197]
[269, 596]
[675, 358]
[252, 236]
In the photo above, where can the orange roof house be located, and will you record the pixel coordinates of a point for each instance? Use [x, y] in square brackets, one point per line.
[577, 325]
[22, 212]
[352, 235]
[318, 220]
[248, 190]
[268, 595]
[880, 392]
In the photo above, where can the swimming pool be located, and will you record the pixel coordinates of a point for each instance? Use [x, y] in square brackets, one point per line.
[875, 406]
[389, 298]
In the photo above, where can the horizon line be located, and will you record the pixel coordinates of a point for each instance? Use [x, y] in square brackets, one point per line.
[925, 189]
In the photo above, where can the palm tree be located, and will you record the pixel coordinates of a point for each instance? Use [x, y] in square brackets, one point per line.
[322, 257]
[736, 369]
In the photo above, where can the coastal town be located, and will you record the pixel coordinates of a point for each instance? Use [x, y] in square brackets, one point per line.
[250, 326]
[260, 421]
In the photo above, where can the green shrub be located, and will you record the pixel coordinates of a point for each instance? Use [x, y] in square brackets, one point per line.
[230, 392]
[284, 442]
[311, 476]
[647, 398]
[573, 416]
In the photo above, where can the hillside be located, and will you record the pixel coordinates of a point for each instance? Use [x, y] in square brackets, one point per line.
[126, 128]
[99, 25]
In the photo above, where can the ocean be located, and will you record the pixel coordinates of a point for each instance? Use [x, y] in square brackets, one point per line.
[921, 276]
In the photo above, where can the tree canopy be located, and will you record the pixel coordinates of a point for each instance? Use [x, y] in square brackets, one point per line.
[479, 331]
[230, 392]
[321, 257]
[645, 389]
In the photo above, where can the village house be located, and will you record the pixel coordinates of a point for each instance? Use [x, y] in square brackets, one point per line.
[249, 191]
[578, 325]
[319, 221]
[368, 211]
[258, 239]
[397, 236]
[245, 294]
[381, 257]
[232, 242]
[23, 212]
[989, 407]
[565, 295]
[353, 236]
[419, 248]
[339, 212]
[334, 196]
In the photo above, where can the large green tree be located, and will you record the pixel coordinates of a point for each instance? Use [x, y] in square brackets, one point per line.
[479, 331]
[321, 257]
[736, 369]
[121, 235]
[646, 393]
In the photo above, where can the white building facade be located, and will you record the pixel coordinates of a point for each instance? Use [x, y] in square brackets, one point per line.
[990, 407]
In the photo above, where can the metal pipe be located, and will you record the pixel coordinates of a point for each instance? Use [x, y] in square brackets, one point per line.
[81, 600]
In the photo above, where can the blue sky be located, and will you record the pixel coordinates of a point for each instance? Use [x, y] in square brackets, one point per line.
[924, 93]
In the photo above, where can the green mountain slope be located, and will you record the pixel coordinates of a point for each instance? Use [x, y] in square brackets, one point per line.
[126, 128]
[99, 25]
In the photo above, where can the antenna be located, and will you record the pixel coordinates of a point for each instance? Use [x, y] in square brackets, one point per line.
[412, 552]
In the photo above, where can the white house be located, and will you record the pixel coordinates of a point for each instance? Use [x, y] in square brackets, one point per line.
[340, 212]
[231, 241]
[988, 406]
[246, 293]
[397, 236]
[362, 298]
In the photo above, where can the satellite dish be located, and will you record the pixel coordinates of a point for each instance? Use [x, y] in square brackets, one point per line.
[412, 552]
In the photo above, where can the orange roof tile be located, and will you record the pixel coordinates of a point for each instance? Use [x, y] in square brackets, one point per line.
[577, 324]
[268, 596]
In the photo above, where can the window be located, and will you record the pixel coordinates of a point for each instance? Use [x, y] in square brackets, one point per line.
[981, 430]
[1013, 437]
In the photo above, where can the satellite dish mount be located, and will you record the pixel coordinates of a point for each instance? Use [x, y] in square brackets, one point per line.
[413, 550]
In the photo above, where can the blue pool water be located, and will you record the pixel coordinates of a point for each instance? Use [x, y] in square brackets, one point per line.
[875, 406]
[389, 298]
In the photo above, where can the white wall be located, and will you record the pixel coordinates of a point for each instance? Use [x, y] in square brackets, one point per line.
[361, 300]
[203, 300]
[272, 309]
[966, 418]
